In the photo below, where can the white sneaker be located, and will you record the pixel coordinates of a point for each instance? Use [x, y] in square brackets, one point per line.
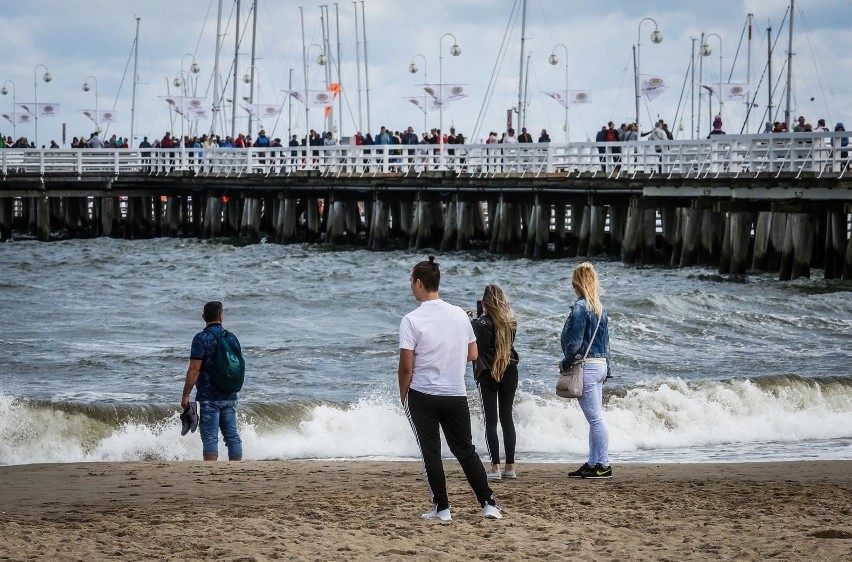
[491, 512]
[509, 474]
[443, 515]
[493, 475]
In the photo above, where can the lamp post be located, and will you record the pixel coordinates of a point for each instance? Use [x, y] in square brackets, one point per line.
[455, 50]
[706, 51]
[656, 38]
[248, 78]
[47, 78]
[4, 90]
[86, 88]
[193, 69]
[412, 68]
[321, 60]
[180, 82]
[554, 60]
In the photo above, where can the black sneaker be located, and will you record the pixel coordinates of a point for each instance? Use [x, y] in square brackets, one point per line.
[598, 471]
[581, 472]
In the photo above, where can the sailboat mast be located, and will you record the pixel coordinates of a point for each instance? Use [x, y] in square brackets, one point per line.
[305, 71]
[769, 116]
[358, 70]
[253, 59]
[216, 100]
[337, 65]
[750, 18]
[236, 76]
[135, 75]
[366, 63]
[521, 71]
[789, 70]
[326, 48]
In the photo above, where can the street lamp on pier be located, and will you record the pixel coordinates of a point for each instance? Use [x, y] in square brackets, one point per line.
[412, 68]
[656, 38]
[554, 60]
[86, 88]
[706, 51]
[47, 78]
[455, 50]
[4, 90]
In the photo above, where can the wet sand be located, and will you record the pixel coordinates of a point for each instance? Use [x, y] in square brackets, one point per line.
[315, 510]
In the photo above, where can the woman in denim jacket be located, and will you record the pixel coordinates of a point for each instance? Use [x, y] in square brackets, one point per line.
[576, 335]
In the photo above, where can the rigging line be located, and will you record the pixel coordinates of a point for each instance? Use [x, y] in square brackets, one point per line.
[120, 84]
[489, 91]
[737, 53]
[682, 91]
[817, 66]
[203, 26]
[620, 88]
[769, 79]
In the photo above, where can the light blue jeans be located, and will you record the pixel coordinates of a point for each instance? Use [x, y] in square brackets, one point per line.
[216, 415]
[592, 405]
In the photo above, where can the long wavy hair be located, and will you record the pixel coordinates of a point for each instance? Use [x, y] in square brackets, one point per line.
[585, 282]
[503, 317]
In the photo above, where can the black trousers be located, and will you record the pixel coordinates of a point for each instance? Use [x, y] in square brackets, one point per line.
[429, 414]
[497, 400]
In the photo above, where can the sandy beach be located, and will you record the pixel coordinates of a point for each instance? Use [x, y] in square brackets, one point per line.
[314, 510]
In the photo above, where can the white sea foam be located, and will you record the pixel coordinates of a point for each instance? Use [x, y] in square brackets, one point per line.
[739, 420]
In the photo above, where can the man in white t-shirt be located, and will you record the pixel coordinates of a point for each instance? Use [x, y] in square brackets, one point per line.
[436, 342]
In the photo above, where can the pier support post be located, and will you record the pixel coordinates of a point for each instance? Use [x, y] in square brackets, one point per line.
[379, 226]
[649, 237]
[7, 209]
[406, 222]
[677, 241]
[847, 262]
[573, 239]
[312, 219]
[734, 253]
[798, 245]
[198, 204]
[560, 227]
[538, 230]
[584, 233]
[617, 220]
[669, 218]
[72, 215]
[336, 224]
[212, 218]
[448, 239]
[691, 233]
[172, 215]
[712, 231]
[835, 244]
[43, 206]
[597, 222]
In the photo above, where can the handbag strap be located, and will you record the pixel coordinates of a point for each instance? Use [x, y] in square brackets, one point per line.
[595, 333]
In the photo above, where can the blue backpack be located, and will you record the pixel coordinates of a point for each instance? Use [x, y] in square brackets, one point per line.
[229, 367]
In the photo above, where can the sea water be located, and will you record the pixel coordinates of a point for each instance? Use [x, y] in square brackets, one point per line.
[96, 335]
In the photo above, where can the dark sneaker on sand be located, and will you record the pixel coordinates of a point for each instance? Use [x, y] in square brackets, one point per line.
[598, 471]
[592, 472]
[580, 471]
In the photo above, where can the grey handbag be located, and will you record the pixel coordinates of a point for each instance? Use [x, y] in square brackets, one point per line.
[570, 383]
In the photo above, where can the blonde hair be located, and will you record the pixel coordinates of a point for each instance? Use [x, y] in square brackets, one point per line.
[585, 282]
[503, 317]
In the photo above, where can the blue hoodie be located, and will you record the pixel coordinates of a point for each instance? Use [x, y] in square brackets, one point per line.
[844, 141]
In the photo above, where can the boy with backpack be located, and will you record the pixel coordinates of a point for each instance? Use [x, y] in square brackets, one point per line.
[216, 370]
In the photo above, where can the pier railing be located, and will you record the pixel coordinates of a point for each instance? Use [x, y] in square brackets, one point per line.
[815, 154]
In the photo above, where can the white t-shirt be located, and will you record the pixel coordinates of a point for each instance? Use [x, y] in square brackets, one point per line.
[439, 334]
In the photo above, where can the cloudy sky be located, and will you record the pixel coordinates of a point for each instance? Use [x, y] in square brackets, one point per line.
[76, 40]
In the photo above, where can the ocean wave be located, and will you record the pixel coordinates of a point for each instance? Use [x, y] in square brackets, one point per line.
[672, 418]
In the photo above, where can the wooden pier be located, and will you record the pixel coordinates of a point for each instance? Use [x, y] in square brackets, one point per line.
[749, 203]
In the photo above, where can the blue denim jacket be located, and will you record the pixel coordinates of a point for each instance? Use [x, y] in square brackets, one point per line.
[577, 332]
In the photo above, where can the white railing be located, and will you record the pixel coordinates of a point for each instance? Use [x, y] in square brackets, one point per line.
[731, 155]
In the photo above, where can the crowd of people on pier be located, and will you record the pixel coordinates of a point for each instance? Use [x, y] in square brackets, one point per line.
[626, 132]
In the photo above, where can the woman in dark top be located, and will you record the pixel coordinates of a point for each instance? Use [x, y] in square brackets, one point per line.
[496, 374]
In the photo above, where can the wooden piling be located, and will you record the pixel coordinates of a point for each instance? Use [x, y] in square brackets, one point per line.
[630, 247]
[560, 228]
[691, 234]
[172, 227]
[379, 228]
[448, 239]
[835, 244]
[43, 214]
[335, 232]
[575, 227]
[7, 214]
[584, 233]
[669, 219]
[212, 218]
[677, 242]
[597, 224]
[617, 221]
[798, 245]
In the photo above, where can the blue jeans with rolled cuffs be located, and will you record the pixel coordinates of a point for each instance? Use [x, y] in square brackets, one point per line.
[216, 415]
[591, 403]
